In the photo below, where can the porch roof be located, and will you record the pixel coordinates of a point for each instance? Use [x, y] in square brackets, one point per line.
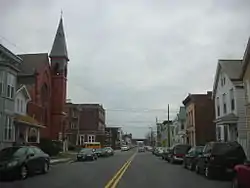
[28, 120]
[227, 119]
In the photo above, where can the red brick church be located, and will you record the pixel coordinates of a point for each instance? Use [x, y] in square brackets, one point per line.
[45, 76]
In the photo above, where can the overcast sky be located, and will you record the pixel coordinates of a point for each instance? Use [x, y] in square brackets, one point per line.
[132, 54]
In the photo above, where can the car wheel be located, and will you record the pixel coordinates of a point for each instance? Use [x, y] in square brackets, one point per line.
[23, 172]
[184, 164]
[172, 161]
[208, 173]
[197, 169]
[235, 183]
[45, 168]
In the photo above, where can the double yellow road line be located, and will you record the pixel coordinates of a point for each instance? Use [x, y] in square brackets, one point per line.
[114, 181]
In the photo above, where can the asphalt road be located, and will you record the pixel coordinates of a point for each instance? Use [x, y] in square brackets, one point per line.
[142, 170]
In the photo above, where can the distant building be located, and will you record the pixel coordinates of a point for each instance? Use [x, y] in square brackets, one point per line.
[85, 123]
[113, 138]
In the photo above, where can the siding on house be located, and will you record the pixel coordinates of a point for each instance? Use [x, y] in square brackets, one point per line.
[8, 66]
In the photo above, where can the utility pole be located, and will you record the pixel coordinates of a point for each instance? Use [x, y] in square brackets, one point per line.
[78, 125]
[168, 128]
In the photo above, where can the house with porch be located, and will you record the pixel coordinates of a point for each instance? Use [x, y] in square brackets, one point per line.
[229, 102]
[245, 75]
[27, 128]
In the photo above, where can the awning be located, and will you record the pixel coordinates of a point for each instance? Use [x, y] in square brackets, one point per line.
[28, 120]
[227, 119]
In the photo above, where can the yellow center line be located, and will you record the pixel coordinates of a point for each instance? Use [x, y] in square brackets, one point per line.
[119, 174]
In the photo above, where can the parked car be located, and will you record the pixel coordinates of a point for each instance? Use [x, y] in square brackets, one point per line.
[86, 154]
[159, 151]
[141, 149]
[178, 152]
[98, 152]
[108, 151]
[21, 161]
[242, 175]
[220, 158]
[165, 154]
[149, 148]
[124, 148]
[190, 159]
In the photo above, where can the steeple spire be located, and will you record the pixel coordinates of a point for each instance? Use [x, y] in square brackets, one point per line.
[59, 48]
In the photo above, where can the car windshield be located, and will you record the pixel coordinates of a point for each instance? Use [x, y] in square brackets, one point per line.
[227, 148]
[199, 148]
[11, 152]
[86, 150]
[181, 149]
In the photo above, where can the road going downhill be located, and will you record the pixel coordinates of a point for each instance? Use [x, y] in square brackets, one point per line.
[124, 170]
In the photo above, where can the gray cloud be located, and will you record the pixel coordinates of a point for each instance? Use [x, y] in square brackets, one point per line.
[132, 54]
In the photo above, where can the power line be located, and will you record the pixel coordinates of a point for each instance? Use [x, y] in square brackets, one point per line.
[11, 43]
[139, 110]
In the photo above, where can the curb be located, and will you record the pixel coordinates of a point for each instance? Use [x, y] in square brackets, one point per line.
[62, 161]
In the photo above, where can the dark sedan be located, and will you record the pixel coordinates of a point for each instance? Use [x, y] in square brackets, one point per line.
[19, 162]
[190, 159]
[86, 154]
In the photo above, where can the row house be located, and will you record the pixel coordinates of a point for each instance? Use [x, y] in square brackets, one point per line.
[229, 100]
[113, 137]
[245, 75]
[179, 126]
[27, 128]
[9, 64]
[199, 124]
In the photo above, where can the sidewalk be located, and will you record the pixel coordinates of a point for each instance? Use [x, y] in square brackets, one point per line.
[63, 158]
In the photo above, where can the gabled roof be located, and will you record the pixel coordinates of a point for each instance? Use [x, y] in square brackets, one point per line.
[182, 113]
[59, 48]
[232, 68]
[32, 63]
[9, 54]
[246, 58]
[22, 88]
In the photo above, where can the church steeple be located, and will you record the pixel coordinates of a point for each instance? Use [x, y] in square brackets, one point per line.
[59, 48]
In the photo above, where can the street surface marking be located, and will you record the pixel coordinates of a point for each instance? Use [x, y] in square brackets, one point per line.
[113, 182]
[121, 174]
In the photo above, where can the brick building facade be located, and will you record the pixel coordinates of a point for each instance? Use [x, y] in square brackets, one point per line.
[85, 123]
[199, 124]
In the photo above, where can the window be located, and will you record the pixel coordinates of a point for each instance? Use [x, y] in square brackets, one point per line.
[232, 101]
[224, 104]
[218, 106]
[8, 129]
[82, 139]
[1, 82]
[91, 138]
[247, 86]
[73, 126]
[10, 85]
[21, 106]
[18, 105]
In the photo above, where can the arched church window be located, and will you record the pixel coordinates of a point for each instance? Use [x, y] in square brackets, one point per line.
[56, 70]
